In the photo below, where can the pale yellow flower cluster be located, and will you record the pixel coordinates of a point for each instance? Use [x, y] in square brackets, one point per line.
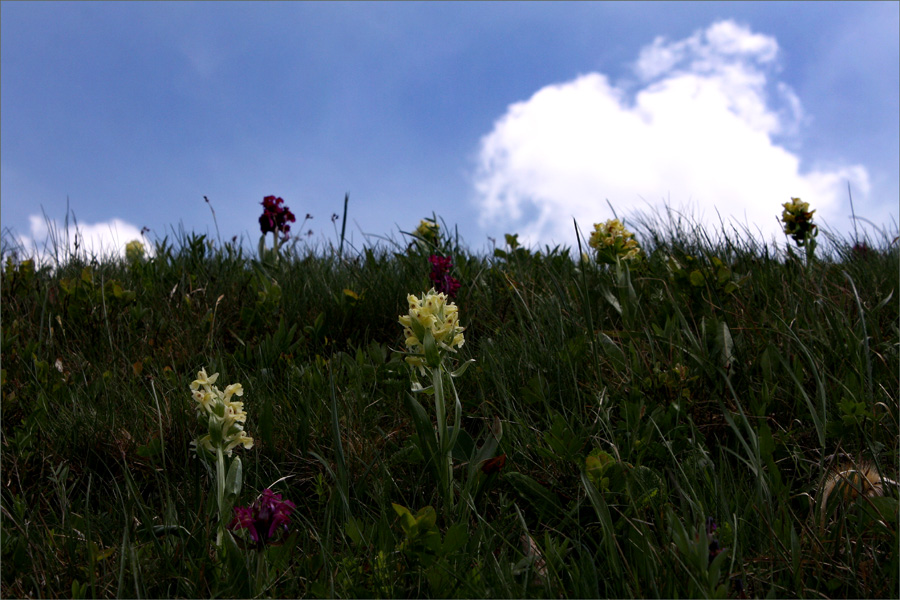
[226, 418]
[793, 209]
[611, 240]
[433, 315]
[797, 219]
[427, 230]
[134, 251]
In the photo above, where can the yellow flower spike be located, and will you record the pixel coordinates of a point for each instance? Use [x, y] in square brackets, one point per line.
[134, 251]
[231, 416]
[427, 230]
[612, 241]
[797, 219]
[432, 313]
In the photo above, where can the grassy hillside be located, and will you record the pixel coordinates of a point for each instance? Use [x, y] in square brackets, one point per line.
[664, 426]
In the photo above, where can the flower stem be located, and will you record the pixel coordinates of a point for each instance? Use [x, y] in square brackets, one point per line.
[445, 466]
[220, 493]
[260, 572]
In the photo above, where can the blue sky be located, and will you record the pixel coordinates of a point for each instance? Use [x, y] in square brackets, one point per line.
[499, 118]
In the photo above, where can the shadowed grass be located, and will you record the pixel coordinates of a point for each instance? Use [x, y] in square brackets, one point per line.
[719, 378]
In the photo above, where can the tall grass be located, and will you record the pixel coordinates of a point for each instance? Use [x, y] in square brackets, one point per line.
[718, 379]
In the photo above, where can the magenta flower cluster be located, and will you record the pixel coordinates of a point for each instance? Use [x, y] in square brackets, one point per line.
[441, 279]
[275, 217]
[268, 516]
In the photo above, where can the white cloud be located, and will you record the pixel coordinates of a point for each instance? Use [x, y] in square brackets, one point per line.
[696, 131]
[49, 241]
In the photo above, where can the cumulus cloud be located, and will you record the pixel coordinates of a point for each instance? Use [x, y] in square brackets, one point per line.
[50, 241]
[700, 127]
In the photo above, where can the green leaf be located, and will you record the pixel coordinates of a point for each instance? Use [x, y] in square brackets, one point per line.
[417, 328]
[602, 509]
[489, 448]
[564, 443]
[262, 247]
[613, 301]
[766, 442]
[426, 518]
[462, 368]
[235, 478]
[885, 507]
[159, 531]
[400, 509]
[215, 429]
[152, 448]
[612, 351]
[431, 539]
[455, 539]
[884, 302]
[726, 344]
[533, 492]
[240, 572]
[407, 521]
[432, 356]
[464, 447]
[595, 465]
[424, 429]
[723, 275]
[353, 531]
[697, 279]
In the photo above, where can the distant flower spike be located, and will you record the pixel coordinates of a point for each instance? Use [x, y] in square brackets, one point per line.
[134, 251]
[612, 242]
[797, 219]
[440, 275]
[428, 230]
[275, 217]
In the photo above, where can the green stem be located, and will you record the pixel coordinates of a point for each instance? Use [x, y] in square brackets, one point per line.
[260, 572]
[457, 416]
[220, 493]
[445, 467]
[810, 250]
[440, 409]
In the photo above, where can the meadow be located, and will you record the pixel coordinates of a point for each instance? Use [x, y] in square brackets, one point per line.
[714, 417]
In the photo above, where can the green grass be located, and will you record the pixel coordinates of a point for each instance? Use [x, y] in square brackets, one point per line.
[719, 378]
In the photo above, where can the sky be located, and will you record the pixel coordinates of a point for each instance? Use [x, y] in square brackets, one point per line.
[495, 117]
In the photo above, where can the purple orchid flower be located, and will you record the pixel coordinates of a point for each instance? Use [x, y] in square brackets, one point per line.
[265, 519]
[275, 217]
[440, 275]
